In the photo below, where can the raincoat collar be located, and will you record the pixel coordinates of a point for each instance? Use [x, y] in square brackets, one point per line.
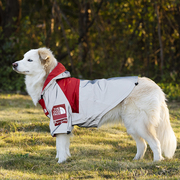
[58, 72]
[59, 69]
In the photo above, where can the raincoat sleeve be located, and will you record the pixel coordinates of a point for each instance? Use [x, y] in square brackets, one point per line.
[59, 110]
[61, 113]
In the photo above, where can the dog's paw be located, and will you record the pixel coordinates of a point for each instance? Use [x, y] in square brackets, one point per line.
[61, 160]
[159, 159]
[62, 156]
[138, 156]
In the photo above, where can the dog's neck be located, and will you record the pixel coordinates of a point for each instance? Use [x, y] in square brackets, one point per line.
[34, 86]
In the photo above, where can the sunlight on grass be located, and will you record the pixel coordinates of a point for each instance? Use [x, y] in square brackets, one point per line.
[27, 150]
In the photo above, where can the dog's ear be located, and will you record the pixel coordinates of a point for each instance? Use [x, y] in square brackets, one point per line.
[43, 55]
[45, 58]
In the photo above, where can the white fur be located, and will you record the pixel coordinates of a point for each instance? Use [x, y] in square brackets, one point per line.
[144, 112]
[35, 71]
[62, 147]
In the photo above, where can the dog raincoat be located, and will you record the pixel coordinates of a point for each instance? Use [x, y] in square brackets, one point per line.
[69, 101]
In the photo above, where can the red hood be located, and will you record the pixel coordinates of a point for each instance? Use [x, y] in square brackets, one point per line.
[55, 72]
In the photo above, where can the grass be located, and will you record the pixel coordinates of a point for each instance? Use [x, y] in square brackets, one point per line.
[27, 150]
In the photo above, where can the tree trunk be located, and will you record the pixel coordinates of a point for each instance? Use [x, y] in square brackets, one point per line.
[160, 39]
[64, 33]
[83, 24]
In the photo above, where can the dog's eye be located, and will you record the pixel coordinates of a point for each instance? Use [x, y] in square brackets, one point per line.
[30, 60]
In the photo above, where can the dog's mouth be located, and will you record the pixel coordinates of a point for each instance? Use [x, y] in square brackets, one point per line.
[20, 72]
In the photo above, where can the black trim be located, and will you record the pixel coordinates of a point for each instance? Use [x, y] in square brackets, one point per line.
[136, 83]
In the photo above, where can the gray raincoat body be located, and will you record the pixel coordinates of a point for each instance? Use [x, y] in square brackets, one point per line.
[69, 101]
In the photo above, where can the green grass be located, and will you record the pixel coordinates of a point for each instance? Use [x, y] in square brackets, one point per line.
[27, 150]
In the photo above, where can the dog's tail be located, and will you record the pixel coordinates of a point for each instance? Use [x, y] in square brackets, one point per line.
[165, 133]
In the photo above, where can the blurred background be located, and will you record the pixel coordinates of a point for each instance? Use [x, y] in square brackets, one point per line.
[94, 38]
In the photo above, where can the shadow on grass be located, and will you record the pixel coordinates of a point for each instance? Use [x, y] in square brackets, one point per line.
[8, 127]
[16, 101]
[87, 159]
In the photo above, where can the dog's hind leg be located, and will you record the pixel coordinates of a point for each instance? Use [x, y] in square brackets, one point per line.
[155, 146]
[142, 132]
[141, 146]
[151, 139]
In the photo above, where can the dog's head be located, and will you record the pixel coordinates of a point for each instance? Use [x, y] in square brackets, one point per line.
[36, 61]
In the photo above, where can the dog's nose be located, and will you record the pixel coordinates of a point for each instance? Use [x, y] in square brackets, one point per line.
[15, 65]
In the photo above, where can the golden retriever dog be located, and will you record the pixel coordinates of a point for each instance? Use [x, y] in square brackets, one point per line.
[142, 110]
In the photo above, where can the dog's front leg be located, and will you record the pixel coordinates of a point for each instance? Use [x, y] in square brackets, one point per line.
[62, 147]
